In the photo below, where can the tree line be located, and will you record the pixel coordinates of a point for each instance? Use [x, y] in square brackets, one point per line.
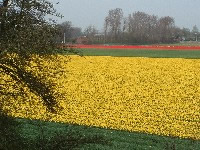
[140, 27]
[136, 28]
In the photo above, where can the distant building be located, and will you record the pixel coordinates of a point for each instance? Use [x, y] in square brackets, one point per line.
[99, 37]
[82, 40]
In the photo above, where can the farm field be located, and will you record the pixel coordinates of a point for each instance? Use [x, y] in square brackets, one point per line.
[158, 96]
[185, 43]
[102, 75]
[147, 47]
[152, 51]
[191, 54]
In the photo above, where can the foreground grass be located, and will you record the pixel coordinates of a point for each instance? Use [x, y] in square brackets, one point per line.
[190, 54]
[35, 134]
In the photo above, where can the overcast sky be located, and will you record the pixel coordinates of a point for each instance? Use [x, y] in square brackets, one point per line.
[93, 12]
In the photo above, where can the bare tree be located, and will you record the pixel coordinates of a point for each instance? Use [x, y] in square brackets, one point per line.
[76, 32]
[177, 34]
[68, 32]
[186, 34]
[141, 27]
[195, 29]
[195, 32]
[65, 31]
[90, 33]
[113, 24]
[166, 26]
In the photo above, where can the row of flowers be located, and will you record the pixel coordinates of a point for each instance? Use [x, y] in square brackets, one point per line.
[152, 95]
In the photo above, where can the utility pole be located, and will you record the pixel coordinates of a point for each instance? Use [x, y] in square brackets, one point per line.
[64, 39]
[196, 37]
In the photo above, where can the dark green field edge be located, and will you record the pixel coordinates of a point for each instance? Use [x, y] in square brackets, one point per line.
[188, 54]
[26, 134]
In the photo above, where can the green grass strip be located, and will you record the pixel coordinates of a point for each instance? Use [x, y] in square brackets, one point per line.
[36, 134]
[190, 54]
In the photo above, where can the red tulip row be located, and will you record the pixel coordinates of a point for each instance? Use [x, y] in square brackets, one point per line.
[154, 47]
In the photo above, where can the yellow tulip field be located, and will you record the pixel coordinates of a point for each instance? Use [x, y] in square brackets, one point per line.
[152, 95]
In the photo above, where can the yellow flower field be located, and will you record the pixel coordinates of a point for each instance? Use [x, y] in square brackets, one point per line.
[153, 95]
